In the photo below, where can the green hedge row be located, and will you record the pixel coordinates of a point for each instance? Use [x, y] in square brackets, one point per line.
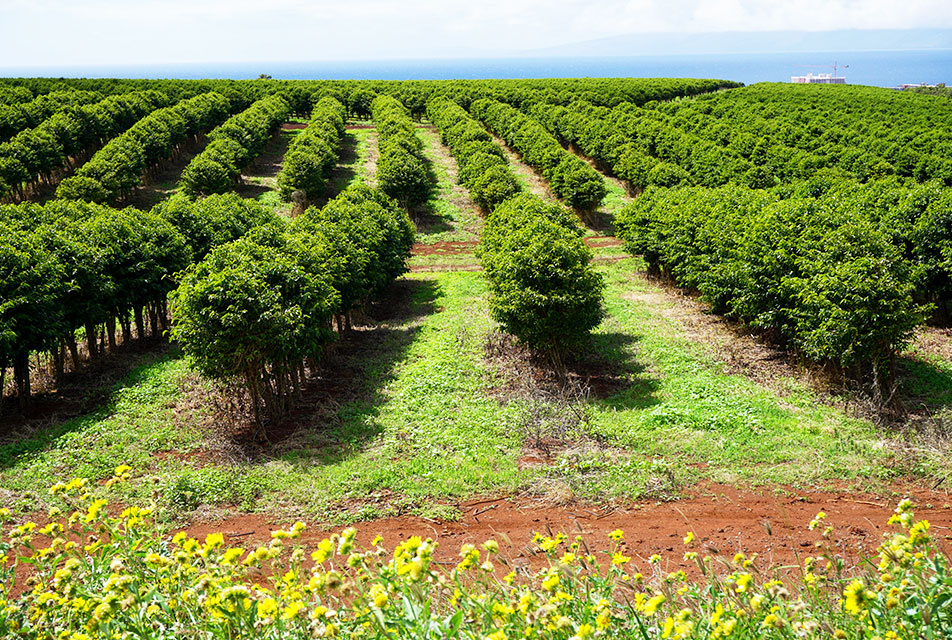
[19, 116]
[544, 288]
[118, 167]
[14, 95]
[646, 153]
[864, 132]
[571, 179]
[762, 135]
[401, 168]
[313, 154]
[40, 151]
[836, 270]
[71, 265]
[482, 164]
[232, 146]
[254, 311]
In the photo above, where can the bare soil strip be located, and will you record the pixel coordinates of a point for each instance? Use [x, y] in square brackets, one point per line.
[160, 186]
[428, 254]
[454, 248]
[934, 342]
[260, 176]
[620, 184]
[725, 520]
[370, 161]
[528, 176]
[449, 188]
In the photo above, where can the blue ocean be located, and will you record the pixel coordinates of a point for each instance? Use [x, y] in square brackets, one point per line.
[876, 68]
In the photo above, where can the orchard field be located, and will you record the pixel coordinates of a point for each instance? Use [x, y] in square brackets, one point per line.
[447, 312]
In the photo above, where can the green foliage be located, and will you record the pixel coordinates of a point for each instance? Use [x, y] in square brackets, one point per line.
[118, 167]
[206, 175]
[209, 222]
[482, 165]
[76, 266]
[25, 111]
[666, 174]
[40, 150]
[760, 135]
[232, 145]
[32, 286]
[314, 152]
[544, 288]
[253, 310]
[572, 180]
[819, 275]
[82, 188]
[248, 311]
[118, 260]
[401, 168]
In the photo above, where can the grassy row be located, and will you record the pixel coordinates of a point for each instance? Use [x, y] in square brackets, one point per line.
[418, 407]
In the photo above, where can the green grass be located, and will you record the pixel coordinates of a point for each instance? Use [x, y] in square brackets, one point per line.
[451, 217]
[135, 422]
[361, 139]
[686, 409]
[422, 430]
[440, 261]
[615, 200]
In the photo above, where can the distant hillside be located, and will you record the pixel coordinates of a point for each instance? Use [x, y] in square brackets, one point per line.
[755, 42]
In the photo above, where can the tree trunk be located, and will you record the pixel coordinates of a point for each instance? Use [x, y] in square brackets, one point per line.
[251, 382]
[21, 371]
[154, 320]
[111, 331]
[126, 328]
[164, 314]
[73, 351]
[140, 325]
[57, 354]
[91, 341]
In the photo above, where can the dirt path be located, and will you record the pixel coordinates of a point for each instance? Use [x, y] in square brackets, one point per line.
[525, 174]
[725, 520]
[455, 255]
[452, 215]
[347, 162]
[460, 255]
[369, 151]
[934, 342]
[163, 184]
[260, 177]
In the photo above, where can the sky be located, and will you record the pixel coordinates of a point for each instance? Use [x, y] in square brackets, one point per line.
[90, 32]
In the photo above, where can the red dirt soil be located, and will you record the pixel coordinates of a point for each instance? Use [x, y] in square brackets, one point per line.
[460, 247]
[454, 248]
[724, 519]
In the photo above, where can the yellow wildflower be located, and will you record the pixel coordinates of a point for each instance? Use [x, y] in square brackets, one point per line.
[325, 549]
[651, 606]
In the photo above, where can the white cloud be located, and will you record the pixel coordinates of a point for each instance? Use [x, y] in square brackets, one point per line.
[50, 32]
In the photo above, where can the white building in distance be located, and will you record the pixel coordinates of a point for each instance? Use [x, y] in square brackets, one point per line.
[822, 78]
